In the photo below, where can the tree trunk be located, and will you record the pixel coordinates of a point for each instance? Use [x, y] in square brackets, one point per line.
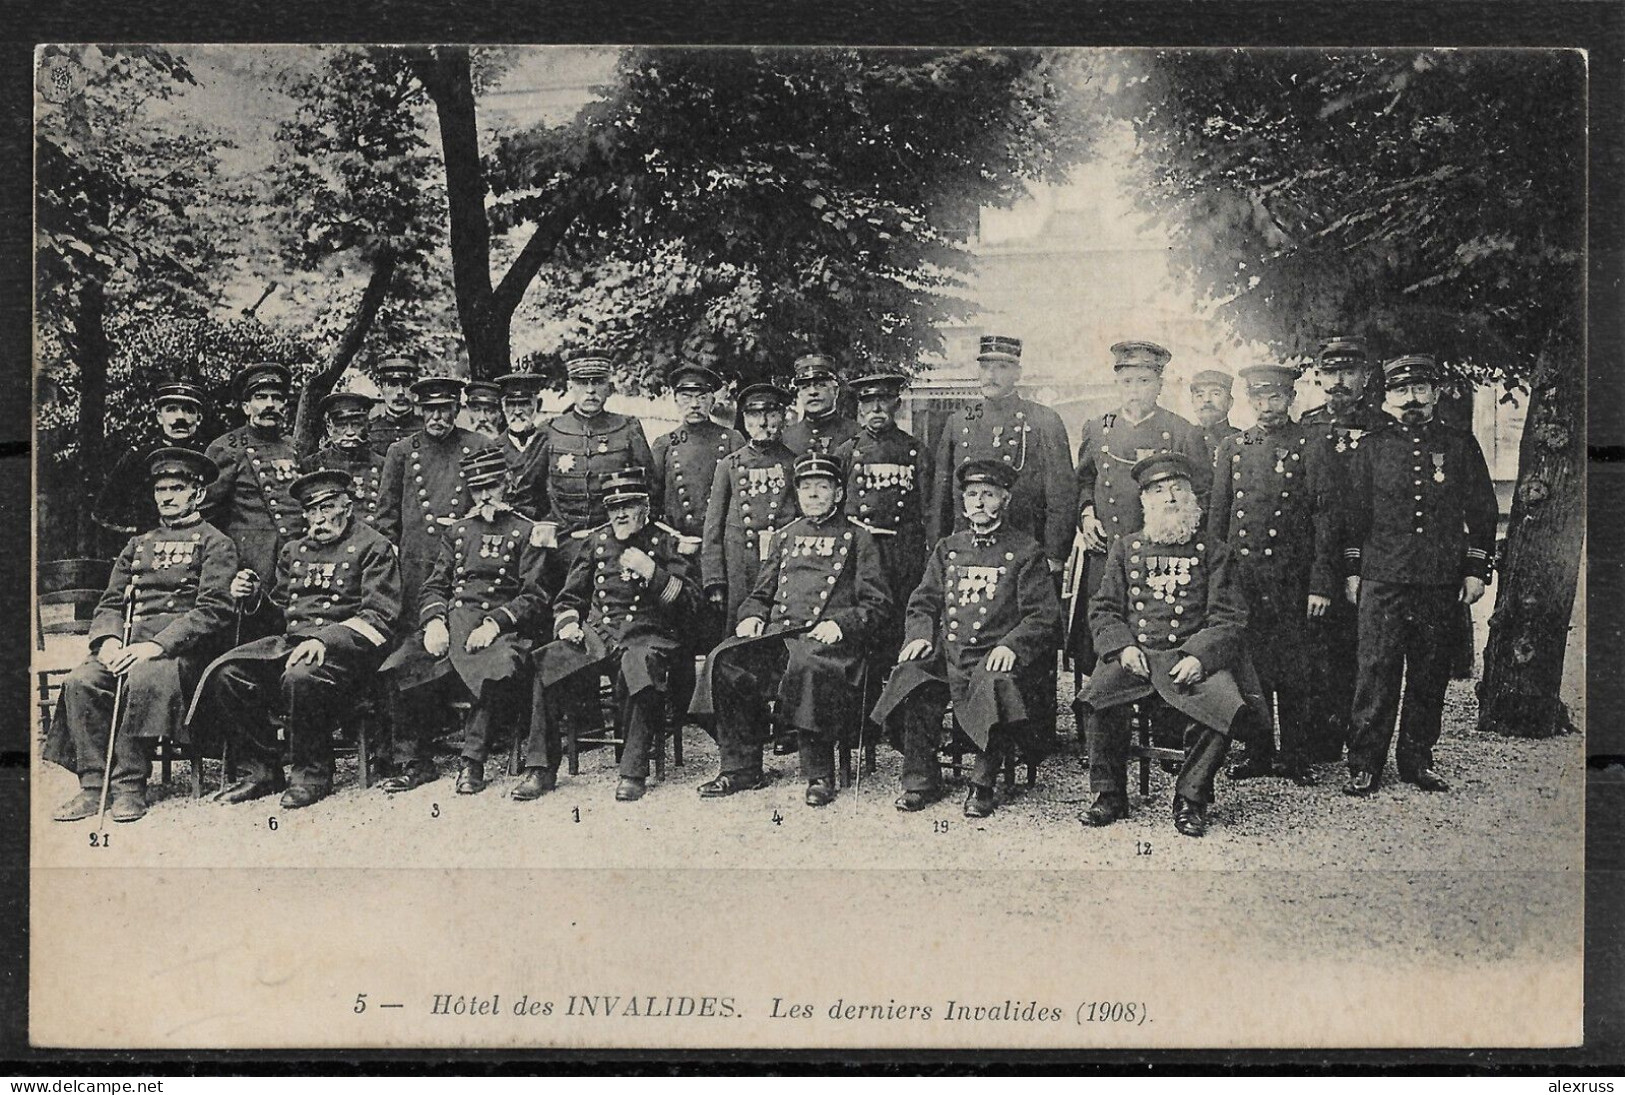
[94, 355]
[1523, 662]
[307, 421]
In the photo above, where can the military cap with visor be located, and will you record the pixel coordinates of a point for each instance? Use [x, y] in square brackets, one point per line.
[763, 397]
[178, 391]
[1137, 353]
[693, 378]
[1161, 466]
[267, 374]
[346, 406]
[482, 467]
[318, 486]
[433, 391]
[521, 385]
[588, 365]
[627, 485]
[397, 368]
[999, 348]
[879, 385]
[182, 464]
[981, 469]
[1343, 349]
[482, 393]
[1214, 378]
[814, 369]
[1269, 377]
[815, 465]
[1410, 369]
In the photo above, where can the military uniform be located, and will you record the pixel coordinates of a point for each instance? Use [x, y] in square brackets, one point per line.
[885, 493]
[752, 493]
[632, 630]
[1170, 601]
[979, 591]
[386, 427]
[1420, 518]
[820, 570]
[347, 595]
[124, 505]
[489, 569]
[178, 577]
[1272, 505]
[564, 476]
[822, 433]
[364, 465]
[423, 492]
[1213, 436]
[249, 501]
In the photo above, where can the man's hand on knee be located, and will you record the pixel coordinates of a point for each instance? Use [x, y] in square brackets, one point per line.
[309, 652]
[1001, 659]
[131, 656]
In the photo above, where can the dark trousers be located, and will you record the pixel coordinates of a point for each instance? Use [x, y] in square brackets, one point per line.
[417, 713]
[640, 717]
[1334, 643]
[87, 708]
[1110, 733]
[921, 715]
[1276, 641]
[744, 682]
[1405, 634]
[313, 697]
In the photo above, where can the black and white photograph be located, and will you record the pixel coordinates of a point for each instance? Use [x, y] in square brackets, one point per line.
[679, 547]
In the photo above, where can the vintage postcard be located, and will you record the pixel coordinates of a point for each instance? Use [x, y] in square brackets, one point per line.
[816, 548]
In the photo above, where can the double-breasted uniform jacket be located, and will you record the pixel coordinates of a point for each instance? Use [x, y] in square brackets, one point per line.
[1110, 446]
[1421, 507]
[886, 492]
[180, 579]
[1171, 600]
[516, 454]
[625, 614]
[1031, 438]
[366, 467]
[685, 463]
[347, 594]
[1344, 438]
[423, 492]
[752, 493]
[1213, 436]
[124, 505]
[825, 433]
[384, 428]
[978, 592]
[564, 474]
[250, 501]
[1271, 501]
[486, 570]
[828, 569]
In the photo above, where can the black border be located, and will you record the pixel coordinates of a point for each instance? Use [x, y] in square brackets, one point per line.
[1598, 27]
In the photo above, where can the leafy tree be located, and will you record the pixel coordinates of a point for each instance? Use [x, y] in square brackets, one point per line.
[1433, 201]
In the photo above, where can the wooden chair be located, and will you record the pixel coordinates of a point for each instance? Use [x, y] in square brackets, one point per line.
[609, 732]
[1143, 749]
[866, 730]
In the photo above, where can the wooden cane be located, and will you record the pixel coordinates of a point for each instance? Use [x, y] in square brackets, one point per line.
[118, 712]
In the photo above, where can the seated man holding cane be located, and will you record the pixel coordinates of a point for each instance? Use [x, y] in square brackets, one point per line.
[981, 633]
[166, 610]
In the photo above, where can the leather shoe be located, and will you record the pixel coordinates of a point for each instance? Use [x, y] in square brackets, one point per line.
[471, 777]
[1109, 806]
[820, 792]
[1190, 818]
[629, 789]
[1251, 768]
[784, 746]
[1301, 775]
[537, 782]
[1360, 784]
[301, 795]
[978, 801]
[1428, 780]
[129, 806]
[910, 801]
[247, 790]
[409, 780]
[729, 783]
[79, 807]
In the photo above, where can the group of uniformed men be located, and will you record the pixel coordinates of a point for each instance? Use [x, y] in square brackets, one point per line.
[834, 574]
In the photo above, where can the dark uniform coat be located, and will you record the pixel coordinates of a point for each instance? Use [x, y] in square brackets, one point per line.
[563, 478]
[1271, 501]
[384, 429]
[366, 468]
[516, 454]
[346, 594]
[826, 433]
[885, 493]
[487, 570]
[819, 570]
[978, 593]
[752, 493]
[422, 493]
[1110, 447]
[181, 577]
[685, 464]
[1170, 600]
[1031, 438]
[125, 505]
[250, 501]
[1214, 436]
[624, 615]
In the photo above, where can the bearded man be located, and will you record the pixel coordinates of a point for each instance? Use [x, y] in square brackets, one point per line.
[752, 493]
[347, 415]
[1169, 625]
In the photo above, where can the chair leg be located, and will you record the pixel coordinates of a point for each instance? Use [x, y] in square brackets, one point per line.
[572, 749]
[163, 762]
[363, 758]
[843, 748]
[197, 772]
[660, 753]
[1145, 755]
[515, 765]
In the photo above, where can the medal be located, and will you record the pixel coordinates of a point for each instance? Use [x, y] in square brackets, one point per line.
[1280, 461]
[1438, 467]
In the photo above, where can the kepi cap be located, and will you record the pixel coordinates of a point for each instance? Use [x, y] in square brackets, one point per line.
[317, 487]
[345, 406]
[1159, 466]
[521, 385]
[813, 368]
[999, 348]
[1137, 353]
[813, 465]
[588, 365]
[184, 463]
[757, 397]
[627, 485]
[1214, 378]
[981, 469]
[397, 368]
[693, 378]
[884, 385]
[178, 391]
[1343, 348]
[1410, 369]
[266, 374]
[482, 391]
[437, 391]
[1262, 377]
[482, 467]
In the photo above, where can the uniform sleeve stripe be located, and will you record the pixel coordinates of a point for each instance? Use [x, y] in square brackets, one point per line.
[365, 630]
[673, 587]
[508, 612]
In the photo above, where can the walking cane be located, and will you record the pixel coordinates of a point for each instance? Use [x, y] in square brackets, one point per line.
[118, 710]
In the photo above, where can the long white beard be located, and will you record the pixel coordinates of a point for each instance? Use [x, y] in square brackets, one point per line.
[1173, 526]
